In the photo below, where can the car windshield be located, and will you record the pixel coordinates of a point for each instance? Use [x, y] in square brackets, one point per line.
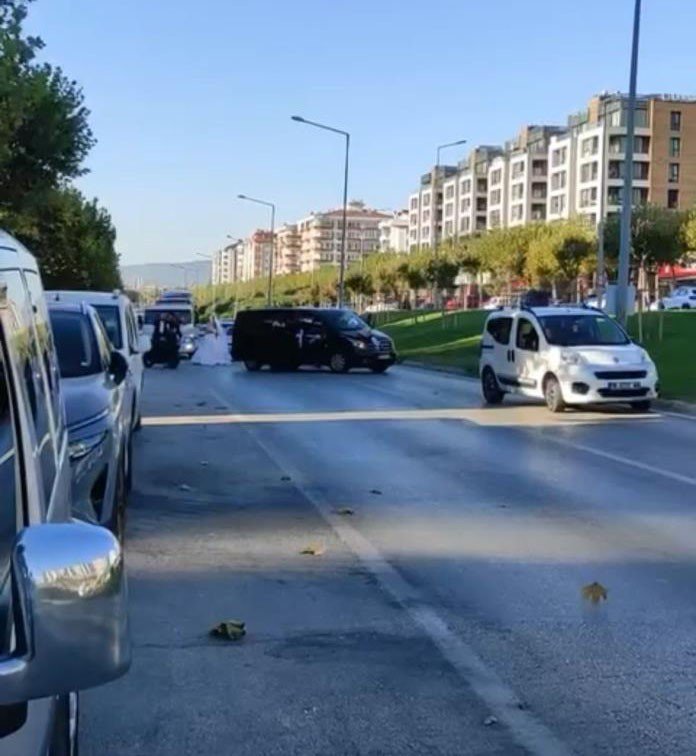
[110, 317]
[75, 344]
[582, 330]
[184, 317]
[344, 320]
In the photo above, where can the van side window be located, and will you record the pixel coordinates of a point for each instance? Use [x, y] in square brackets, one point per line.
[10, 488]
[132, 329]
[499, 329]
[26, 352]
[527, 336]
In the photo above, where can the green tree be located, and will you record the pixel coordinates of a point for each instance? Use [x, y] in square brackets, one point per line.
[360, 284]
[689, 230]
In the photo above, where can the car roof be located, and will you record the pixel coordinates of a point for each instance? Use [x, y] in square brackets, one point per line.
[92, 297]
[541, 312]
[82, 308]
[13, 254]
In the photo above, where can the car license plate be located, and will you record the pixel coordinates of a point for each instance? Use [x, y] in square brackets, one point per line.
[614, 385]
[383, 356]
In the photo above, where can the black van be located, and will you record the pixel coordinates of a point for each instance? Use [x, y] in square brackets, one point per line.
[288, 338]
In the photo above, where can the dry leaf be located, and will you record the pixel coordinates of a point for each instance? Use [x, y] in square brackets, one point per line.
[594, 592]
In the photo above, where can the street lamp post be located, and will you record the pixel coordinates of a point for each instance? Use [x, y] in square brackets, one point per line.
[433, 189]
[185, 269]
[269, 296]
[212, 282]
[236, 241]
[627, 206]
[342, 264]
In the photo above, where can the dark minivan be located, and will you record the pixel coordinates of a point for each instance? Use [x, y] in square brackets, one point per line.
[287, 338]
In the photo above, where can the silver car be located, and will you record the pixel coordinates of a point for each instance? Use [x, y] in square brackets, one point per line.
[98, 414]
[63, 615]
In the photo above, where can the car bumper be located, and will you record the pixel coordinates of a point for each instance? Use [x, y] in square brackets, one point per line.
[583, 385]
[373, 358]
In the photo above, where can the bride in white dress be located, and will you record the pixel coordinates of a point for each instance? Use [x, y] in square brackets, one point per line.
[213, 348]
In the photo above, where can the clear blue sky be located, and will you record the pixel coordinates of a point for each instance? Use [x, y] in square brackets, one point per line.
[191, 101]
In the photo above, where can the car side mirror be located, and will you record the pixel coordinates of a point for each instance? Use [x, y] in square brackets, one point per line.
[118, 367]
[71, 618]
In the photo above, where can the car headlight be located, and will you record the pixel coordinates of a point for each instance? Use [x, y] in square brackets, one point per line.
[84, 446]
[571, 358]
[358, 344]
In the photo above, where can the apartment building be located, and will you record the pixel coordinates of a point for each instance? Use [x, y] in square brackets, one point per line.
[227, 263]
[393, 233]
[256, 255]
[321, 233]
[288, 249]
[425, 207]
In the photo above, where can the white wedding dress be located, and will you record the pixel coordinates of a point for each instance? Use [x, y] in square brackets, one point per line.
[213, 348]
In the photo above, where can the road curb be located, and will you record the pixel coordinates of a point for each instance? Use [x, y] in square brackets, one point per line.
[666, 405]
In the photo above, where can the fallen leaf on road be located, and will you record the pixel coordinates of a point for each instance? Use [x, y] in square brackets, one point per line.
[313, 550]
[594, 592]
[488, 721]
[232, 630]
[376, 492]
[345, 511]
[184, 487]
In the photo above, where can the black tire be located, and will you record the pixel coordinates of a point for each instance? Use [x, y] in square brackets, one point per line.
[338, 362]
[642, 405]
[553, 394]
[379, 368]
[490, 388]
[147, 360]
[686, 307]
[64, 740]
[117, 524]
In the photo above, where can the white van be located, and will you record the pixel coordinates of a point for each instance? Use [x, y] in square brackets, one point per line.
[63, 615]
[566, 356]
[184, 312]
[116, 312]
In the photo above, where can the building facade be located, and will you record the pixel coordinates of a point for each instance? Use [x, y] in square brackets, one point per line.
[288, 249]
[227, 263]
[393, 233]
[257, 255]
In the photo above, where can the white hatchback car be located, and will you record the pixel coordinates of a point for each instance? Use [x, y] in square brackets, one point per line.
[682, 298]
[116, 312]
[566, 356]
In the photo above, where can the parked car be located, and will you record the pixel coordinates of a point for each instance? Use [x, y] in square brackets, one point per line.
[63, 618]
[98, 412]
[117, 313]
[682, 298]
[288, 338]
[566, 356]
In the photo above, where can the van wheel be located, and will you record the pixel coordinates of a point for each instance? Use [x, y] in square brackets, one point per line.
[489, 387]
[252, 366]
[641, 406]
[338, 363]
[553, 394]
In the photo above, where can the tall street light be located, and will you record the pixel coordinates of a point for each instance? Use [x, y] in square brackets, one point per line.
[342, 265]
[435, 222]
[269, 297]
[443, 146]
[210, 257]
[236, 241]
[627, 204]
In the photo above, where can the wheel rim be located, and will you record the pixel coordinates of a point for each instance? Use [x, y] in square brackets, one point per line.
[489, 385]
[338, 362]
[551, 398]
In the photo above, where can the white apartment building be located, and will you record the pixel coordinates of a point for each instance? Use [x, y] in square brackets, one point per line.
[321, 235]
[497, 211]
[393, 233]
[256, 255]
[288, 249]
[562, 163]
[426, 208]
[227, 263]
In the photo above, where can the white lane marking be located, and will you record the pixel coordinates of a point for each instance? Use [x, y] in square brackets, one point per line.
[681, 415]
[526, 729]
[623, 460]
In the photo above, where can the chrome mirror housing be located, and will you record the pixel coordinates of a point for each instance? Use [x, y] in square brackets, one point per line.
[71, 622]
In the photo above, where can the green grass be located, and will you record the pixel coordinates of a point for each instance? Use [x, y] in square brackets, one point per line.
[454, 342]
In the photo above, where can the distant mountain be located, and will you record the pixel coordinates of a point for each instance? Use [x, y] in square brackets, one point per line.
[166, 275]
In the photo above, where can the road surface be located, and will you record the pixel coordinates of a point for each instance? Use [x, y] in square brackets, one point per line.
[445, 615]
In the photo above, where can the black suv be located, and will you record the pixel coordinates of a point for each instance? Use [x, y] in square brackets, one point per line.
[288, 338]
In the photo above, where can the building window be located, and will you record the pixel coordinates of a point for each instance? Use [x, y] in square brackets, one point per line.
[518, 169]
[413, 220]
[673, 175]
[642, 145]
[466, 186]
[675, 147]
[673, 199]
[539, 191]
[675, 120]
[538, 212]
[517, 191]
[466, 204]
[414, 203]
[481, 185]
[558, 204]
[539, 168]
[516, 212]
[588, 197]
[559, 156]
[495, 197]
[449, 209]
[494, 219]
[449, 191]
[640, 196]
[425, 232]
[558, 180]
[589, 172]
[465, 225]
[448, 228]
[590, 146]
[496, 176]
[481, 204]
[426, 200]
[426, 216]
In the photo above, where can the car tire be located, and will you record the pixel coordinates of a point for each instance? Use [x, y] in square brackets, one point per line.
[253, 366]
[117, 524]
[686, 306]
[642, 405]
[338, 362]
[489, 387]
[147, 360]
[64, 741]
[553, 394]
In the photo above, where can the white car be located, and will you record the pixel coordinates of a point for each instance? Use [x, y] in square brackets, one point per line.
[566, 356]
[116, 312]
[682, 298]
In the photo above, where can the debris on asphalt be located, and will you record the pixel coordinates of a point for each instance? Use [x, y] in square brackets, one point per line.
[185, 487]
[204, 462]
[595, 592]
[488, 721]
[313, 550]
[345, 511]
[286, 478]
[376, 491]
[232, 630]
[201, 404]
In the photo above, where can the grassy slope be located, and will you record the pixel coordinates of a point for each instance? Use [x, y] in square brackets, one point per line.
[455, 343]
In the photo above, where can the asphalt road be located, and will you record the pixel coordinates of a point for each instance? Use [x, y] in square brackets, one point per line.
[445, 615]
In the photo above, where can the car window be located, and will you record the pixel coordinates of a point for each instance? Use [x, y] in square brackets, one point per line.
[9, 500]
[499, 329]
[527, 336]
[110, 316]
[582, 330]
[78, 354]
[104, 345]
[132, 329]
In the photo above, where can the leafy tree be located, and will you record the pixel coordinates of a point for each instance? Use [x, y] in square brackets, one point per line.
[689, 230]
[360, 284]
